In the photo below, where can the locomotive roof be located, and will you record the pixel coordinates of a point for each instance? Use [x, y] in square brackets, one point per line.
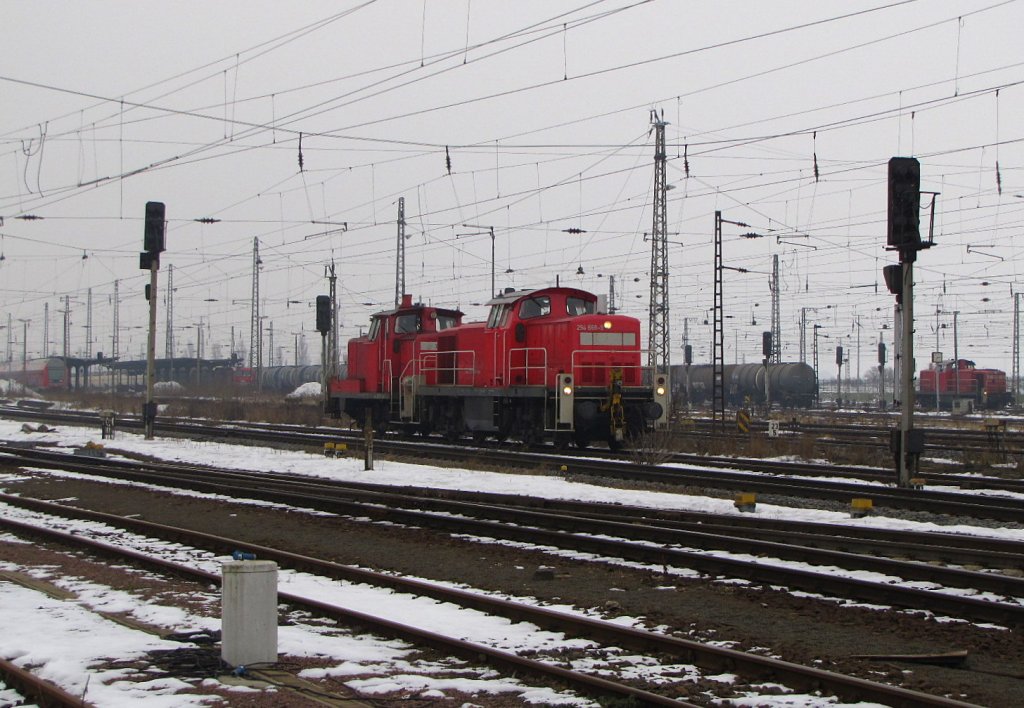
[416, 307]
[510, 296]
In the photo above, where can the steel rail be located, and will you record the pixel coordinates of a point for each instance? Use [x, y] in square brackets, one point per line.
[41, 692]
[930, 546]
[712, 471]
[474, 652]
[711, 657]
[586, 535]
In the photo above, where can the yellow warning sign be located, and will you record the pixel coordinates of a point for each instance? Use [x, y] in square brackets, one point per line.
[743, 420]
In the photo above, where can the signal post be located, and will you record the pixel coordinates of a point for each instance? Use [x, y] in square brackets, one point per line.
[149, 259]
[904, 236]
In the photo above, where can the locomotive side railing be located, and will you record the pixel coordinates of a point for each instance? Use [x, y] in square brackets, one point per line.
[408, 387]
[455, 373]
[529, 364]
[385, 376]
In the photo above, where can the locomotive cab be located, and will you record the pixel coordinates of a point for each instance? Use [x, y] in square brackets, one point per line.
[386, 364]
[547, 363]
[566, 365]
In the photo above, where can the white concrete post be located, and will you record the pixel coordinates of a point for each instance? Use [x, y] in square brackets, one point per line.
[249, 612]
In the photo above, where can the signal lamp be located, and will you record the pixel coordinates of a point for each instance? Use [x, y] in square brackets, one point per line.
[607, 324]
[153, 232]
[567, 390]
[904, 203]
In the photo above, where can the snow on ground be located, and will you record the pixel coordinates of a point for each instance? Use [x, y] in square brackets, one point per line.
[167, 387]
[73, 642]
[306, 390]
[60, 654]
[64, 643]
[67, 642]
[13, 388]
[388, 472]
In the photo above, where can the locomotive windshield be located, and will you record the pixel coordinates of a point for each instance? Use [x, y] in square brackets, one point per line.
[575, 306]
[499, 315]
[404, 324]
[535, 307]
[444, 322]
[374, 328]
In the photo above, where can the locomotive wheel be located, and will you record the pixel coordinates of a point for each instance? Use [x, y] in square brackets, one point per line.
[479, 436]
[530, 437]
[562, 441]
[581, 441]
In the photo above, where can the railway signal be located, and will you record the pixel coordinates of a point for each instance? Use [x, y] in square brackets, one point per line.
[903, 234]
[904, 202]
[149, 259]
[153, 236]
[323, 314]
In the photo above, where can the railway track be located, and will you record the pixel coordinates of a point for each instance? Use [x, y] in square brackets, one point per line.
[40, 692]
[600, 529]
[789, 479]
[709, 657]
[977, 440]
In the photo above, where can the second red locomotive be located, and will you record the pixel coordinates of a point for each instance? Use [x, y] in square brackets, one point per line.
[547, 364]
[960, 381]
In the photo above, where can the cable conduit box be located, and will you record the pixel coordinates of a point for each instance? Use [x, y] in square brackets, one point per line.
[249, 612]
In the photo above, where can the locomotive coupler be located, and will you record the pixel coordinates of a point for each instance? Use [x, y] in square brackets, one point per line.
[616, 412]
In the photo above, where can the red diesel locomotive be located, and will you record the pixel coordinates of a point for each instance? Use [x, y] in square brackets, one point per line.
[547, 364]
[960, 380]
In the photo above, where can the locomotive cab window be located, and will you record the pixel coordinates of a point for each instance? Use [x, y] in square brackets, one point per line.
[374, 329]
[535, 307]
[444, 322]
[575, 306]
[498, 316]
[406, 324]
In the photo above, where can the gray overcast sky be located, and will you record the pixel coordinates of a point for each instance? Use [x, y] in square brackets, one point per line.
[782, 115]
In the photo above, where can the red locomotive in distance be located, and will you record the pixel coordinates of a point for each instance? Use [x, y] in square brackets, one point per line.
[547, 364]
[959, 380]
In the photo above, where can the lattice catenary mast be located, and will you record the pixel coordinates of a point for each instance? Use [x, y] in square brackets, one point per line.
[659, 356]
[255, 353]
[115, 336]
[169, 327]
[776, 357]
[400, 254]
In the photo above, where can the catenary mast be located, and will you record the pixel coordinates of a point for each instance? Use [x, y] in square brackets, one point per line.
[659, 357]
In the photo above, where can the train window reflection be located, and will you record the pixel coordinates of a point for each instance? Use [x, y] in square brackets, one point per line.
[498, 316]
[535, 307]
[404, 324]
[444, 322]
[575, 306]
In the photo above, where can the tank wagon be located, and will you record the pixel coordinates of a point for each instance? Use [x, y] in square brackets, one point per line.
[547, 364]
[961, 384]
[791, 385]
[287, 378]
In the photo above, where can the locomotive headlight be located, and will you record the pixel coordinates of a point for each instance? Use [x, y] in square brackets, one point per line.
[607, 324]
